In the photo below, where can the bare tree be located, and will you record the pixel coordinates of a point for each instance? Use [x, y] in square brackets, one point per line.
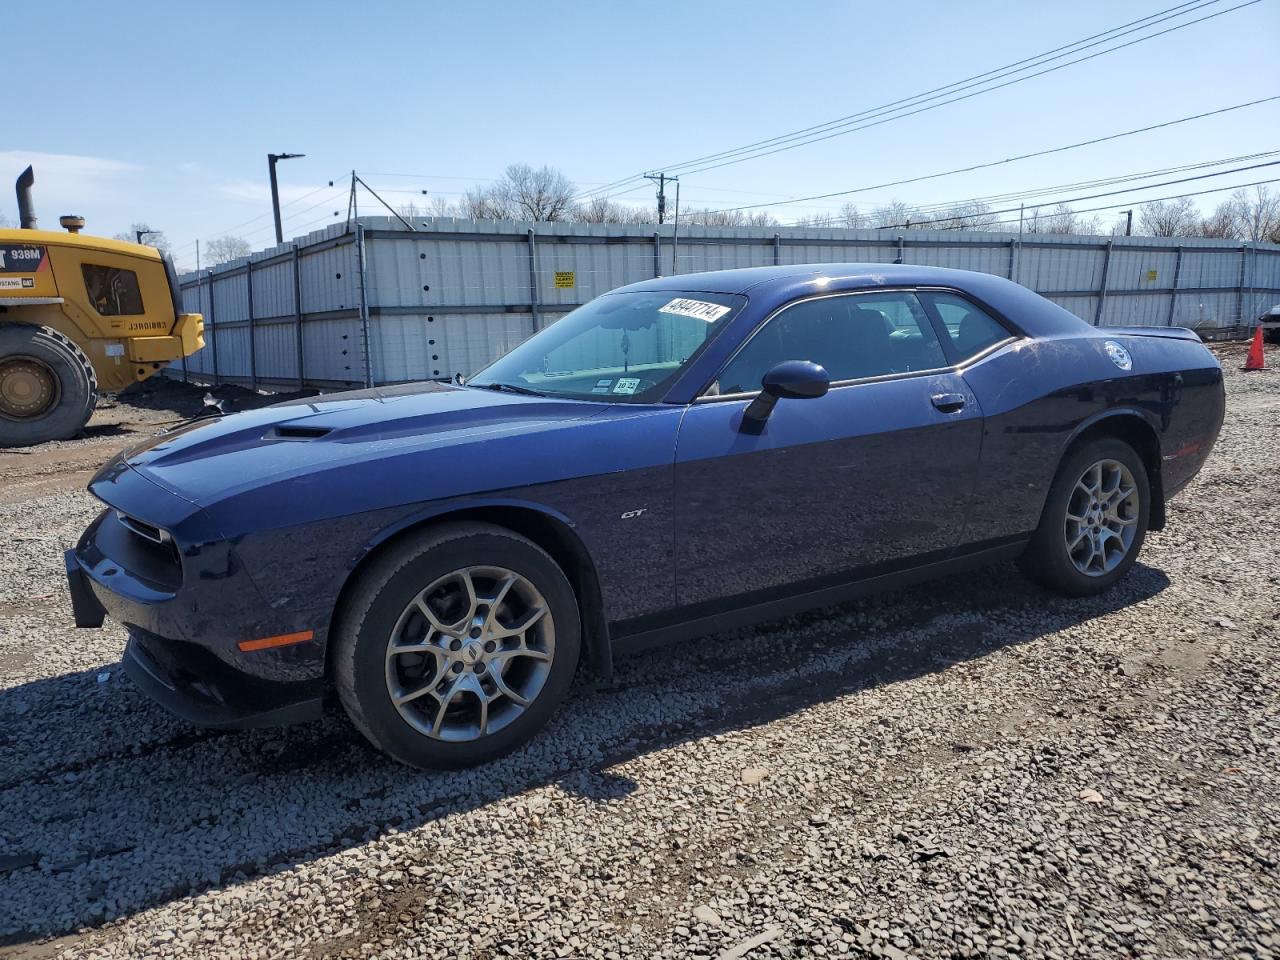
[441, 207]
[604, 210]
[819, 220]
[1169, 218]
[1221, 224]
[852, 217]
[1256, 214]
[523, 193]
[225, 249]
[895, 214]
[152, 238]
[482, 203]
[966, 216]
[708, 217]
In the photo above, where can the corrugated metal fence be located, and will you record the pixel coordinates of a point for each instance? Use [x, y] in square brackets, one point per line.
[376, 303]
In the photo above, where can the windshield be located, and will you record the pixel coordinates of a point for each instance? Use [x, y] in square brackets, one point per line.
[624, 347]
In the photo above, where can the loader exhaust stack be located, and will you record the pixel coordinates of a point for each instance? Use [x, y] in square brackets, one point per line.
[26, 209]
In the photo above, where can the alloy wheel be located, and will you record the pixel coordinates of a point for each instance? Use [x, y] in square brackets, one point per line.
[1102, 518]
[470, 653]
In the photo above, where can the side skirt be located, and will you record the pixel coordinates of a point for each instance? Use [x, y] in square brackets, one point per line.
[625, 643]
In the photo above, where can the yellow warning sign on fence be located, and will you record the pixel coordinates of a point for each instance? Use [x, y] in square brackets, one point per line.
[564, 279]
[1151, 276]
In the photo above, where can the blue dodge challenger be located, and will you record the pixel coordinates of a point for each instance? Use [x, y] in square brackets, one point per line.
[672, 459]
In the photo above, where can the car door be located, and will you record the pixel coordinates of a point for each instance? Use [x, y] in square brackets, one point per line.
[872, 476]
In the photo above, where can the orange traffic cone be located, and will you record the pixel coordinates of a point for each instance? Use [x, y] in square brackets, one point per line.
[1255, 360]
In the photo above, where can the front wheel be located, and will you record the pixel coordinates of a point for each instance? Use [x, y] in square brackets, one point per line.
[1094, 520]
[48, 387]
[455, 648]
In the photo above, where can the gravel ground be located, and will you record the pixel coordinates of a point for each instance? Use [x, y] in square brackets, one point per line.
[968, 768]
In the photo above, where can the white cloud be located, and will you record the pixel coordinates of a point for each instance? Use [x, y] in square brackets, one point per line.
[70, 176]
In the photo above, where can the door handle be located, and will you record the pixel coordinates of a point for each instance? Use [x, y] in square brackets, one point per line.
[948, 402]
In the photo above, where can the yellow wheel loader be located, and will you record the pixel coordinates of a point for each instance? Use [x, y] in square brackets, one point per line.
[79, 315]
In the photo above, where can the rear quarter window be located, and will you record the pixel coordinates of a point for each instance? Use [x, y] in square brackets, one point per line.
[969, 328]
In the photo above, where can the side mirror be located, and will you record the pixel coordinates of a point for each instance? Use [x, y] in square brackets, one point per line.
[790, 379]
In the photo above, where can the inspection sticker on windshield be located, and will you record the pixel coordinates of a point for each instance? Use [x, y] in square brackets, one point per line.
[626, 385]
[699, 309]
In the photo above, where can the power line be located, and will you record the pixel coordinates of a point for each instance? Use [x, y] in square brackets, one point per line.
[996, 163]
[855, 122]
[952, 205]
[969, 96]
[1175, 196]
[1096, 196]
[262, 216]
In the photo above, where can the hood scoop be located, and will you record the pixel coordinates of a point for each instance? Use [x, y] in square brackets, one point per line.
[293, 431]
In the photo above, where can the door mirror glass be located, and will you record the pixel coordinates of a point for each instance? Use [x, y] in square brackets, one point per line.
[791, 380]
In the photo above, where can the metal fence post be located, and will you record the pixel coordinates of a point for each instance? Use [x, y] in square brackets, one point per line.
[1173, 294]
[657, 254]
[1244, 255]
[297, 314]
[1013, 252]
[213, 329]
[902, 244]
[364, 306]
[534, 297]
[1102, 287]
[777, 249]
[253, 334]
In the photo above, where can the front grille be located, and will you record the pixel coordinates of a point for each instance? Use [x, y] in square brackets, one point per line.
[142, 549]
[144, 530]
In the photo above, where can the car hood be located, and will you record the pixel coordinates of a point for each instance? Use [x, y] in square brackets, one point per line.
[212, 460]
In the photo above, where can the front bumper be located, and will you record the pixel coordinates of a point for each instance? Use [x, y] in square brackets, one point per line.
[186, 678]
[202, 691]
[187, 601]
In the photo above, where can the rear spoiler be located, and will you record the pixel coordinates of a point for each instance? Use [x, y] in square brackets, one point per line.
[1166, 333]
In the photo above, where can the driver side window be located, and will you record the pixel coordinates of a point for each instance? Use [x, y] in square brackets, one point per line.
[853, 336]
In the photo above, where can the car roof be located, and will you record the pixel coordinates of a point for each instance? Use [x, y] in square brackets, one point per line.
[776, 285]
[745, 279]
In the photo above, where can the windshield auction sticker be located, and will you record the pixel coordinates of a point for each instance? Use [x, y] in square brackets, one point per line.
[699, 309]
[626, 385]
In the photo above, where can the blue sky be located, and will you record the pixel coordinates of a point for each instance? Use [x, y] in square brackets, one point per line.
[164, 112]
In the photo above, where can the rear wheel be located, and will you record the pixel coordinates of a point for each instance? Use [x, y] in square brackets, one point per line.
[48, 387]
[1094, 520]
[456, 648]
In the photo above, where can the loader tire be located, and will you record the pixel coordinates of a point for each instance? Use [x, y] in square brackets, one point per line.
[48, 387]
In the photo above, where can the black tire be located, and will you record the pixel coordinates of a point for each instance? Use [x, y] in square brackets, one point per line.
[1047, 560]
[370, 613]
[75, 385]
[1271, 336]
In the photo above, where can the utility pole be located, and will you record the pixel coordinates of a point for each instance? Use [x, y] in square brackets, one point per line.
[1128, 222]
[675, 232]
[275, 192]
[661, 180]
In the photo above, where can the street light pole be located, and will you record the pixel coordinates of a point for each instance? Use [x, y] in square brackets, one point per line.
[275, 192]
